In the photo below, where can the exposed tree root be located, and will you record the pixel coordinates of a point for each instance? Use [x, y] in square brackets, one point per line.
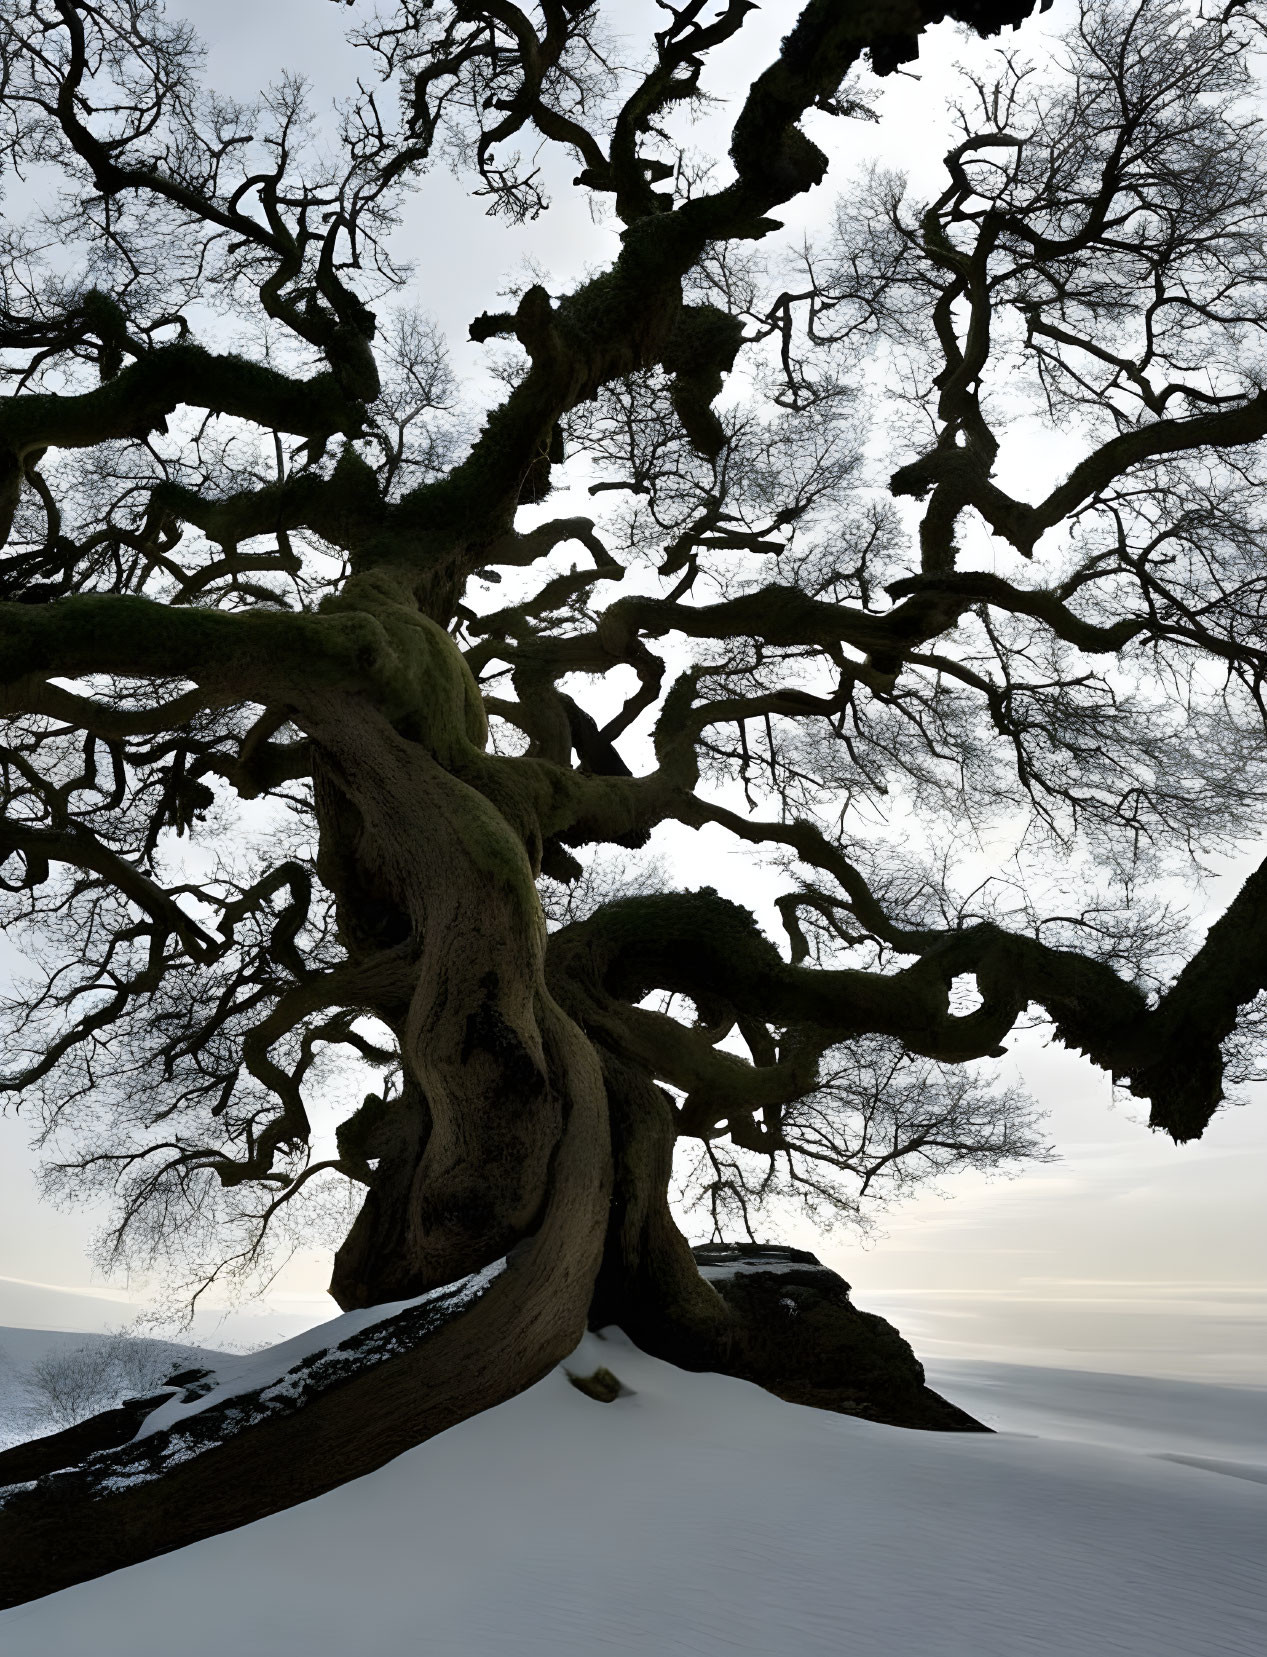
[145, 1498]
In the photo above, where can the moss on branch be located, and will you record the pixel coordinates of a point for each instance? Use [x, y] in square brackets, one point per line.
[711, 950]
[259, 656]
[138, 399]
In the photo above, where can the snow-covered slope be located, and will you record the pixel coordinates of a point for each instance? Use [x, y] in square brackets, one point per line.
[1159, 1417]
[20, 1348]
[700, 1517]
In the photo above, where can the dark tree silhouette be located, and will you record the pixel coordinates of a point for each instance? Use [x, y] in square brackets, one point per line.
[253, 557]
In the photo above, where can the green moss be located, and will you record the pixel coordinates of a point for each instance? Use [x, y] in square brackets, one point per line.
[602, 1386]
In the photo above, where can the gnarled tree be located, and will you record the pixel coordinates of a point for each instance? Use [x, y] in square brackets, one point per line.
[251, 557]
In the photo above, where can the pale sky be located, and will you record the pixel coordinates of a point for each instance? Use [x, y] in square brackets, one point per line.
[1129, 1253]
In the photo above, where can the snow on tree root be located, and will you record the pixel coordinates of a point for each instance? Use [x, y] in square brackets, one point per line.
[329, 1353]
[263, 1441]
[195, 1419]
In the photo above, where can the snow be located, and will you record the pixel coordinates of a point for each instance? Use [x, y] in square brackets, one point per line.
[21, 1348]
[270, 1371]
[1158, 1417]
[740, 1266]
[700, 1517]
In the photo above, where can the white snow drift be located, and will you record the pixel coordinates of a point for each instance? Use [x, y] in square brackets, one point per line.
[701, 1517]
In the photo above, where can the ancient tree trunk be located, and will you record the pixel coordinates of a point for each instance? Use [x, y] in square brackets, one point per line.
[423, 863]
[771, 1315]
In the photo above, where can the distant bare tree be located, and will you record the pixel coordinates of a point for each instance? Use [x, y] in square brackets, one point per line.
[68, 1384]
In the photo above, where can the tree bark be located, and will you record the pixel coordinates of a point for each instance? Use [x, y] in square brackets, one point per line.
[416, 855]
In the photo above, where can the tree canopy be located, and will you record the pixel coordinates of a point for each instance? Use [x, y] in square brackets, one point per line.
[923, 558]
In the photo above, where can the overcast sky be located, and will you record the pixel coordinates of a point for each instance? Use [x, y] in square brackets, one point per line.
[1128, 1253]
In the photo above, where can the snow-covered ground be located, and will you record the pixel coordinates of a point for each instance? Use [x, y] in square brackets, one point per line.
[1158, 1417]
[21, 1410]
[700, 1517]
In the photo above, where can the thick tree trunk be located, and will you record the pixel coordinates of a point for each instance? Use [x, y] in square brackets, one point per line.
[417, 856]
[609, 1256]
[770, 1315]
